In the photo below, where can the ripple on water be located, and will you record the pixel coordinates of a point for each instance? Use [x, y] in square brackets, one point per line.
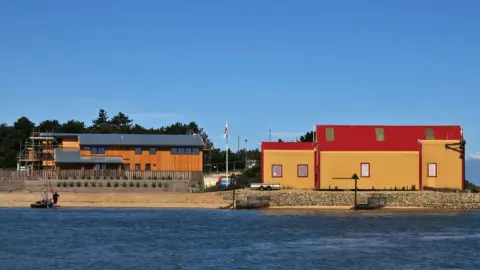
[212, 239]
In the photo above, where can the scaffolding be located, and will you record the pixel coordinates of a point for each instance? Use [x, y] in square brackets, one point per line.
[37, 153]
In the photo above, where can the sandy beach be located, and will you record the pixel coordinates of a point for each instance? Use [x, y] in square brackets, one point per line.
[114, 199]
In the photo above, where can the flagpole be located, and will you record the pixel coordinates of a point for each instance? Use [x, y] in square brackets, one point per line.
[226, 149]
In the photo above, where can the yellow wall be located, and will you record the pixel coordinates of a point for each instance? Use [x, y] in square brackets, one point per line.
[161, 161]
[449, 165]
[289, 159]
[387, 169]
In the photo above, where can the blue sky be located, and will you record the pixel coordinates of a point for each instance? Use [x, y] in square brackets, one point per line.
[280, 65]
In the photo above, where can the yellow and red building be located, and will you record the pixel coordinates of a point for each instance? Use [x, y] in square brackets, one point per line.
[384, 157]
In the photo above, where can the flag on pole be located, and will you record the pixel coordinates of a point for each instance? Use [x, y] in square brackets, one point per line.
[225, 134]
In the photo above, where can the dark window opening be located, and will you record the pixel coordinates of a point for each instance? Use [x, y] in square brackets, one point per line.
[429, 135]
[181, 151]
[174, 151]
[153, 151]
[137, 167]
[379, 133]
[196, 151]
[148, 167]
[138, 151]
[330, 134]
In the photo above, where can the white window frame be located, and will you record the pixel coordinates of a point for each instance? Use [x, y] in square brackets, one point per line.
[432, 169]
[363, 172]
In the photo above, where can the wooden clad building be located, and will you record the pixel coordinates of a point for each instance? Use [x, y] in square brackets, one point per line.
[143, 152]
[384, 157]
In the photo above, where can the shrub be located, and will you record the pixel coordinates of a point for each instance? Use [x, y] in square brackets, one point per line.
[413, 187]
[154, 185]
[169, 177]
[94, 184]
[124, 184]
[100, 184]
[155, 178]
[159, 185]
[79, 184]
[115, 184]
[137, 184]
[83, 177]
[132, 184]
[165, 185]
[117, 177]
[70, 184]
[109, 184]
[89, 178]
[59, 184]
[85, 184]
[145, 185]
[126, 178]
[64, 184]
[403, 188]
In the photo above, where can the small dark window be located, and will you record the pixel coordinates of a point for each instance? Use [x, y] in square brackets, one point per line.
[94, 150]
[101, 150]
[104, 166]
[181, 150]
[188, 151]
[153, 151]
[127, 167]
[137, 167]
[148, 167]
[195, 151]
[330, 134]
[379, 133]
[174, 151]
[138, 151]
[86, 148]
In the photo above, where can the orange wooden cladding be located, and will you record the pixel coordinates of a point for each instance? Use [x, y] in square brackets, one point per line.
[162, 160]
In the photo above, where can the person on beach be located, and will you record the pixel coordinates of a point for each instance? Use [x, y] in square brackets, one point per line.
[55, 198]
[44, 197]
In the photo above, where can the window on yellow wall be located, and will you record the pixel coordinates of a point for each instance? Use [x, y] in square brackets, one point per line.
[364, 169]
[432, 169]
[153, 151]
[127, 167]
[276, 170]
[148, 167]
[302, 170]
[137, 167]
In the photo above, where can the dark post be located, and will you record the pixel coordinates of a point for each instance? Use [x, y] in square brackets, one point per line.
[355, 177]
[234, 185]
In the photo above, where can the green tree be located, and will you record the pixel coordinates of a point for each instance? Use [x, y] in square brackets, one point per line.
[120, 123]
[72, 126]
[102, 123]
[308, 137]
[49, 126]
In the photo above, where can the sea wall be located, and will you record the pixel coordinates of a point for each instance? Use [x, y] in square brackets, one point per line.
[425, 199]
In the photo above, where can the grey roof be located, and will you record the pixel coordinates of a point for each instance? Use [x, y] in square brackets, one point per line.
[88, 139]
[72, 155]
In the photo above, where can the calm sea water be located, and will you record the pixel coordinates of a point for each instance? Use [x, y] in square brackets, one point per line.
[221, 239]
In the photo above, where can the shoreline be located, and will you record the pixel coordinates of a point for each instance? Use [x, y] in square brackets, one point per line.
[181, 200]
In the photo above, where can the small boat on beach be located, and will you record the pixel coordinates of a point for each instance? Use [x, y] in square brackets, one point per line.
[373, 202]
[39, 204]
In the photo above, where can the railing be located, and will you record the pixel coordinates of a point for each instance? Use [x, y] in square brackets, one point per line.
[100, 174]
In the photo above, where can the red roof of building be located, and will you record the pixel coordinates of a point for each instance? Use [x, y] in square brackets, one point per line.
[287, 146]
[396, 138]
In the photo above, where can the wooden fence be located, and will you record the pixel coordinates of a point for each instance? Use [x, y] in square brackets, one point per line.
[114, 174]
